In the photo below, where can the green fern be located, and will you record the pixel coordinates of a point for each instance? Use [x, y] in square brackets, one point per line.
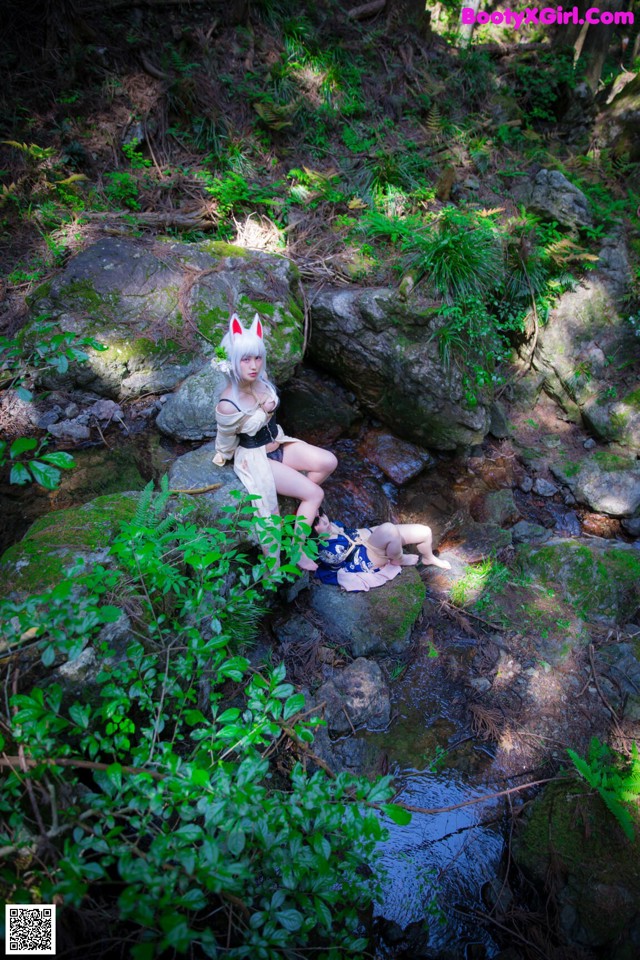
[611, 775]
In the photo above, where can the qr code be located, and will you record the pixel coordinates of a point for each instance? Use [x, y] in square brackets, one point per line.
[30, 928]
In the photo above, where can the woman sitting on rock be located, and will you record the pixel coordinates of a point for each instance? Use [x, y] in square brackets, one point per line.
[266, 461]
[363, 558]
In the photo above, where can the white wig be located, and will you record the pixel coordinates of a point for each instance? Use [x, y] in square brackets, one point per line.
[239, 344]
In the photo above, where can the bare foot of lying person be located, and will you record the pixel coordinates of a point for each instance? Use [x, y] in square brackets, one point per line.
[434, 561]
[306, 563]
[408, 560]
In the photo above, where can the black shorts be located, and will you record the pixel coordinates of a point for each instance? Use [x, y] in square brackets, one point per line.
[276, 454]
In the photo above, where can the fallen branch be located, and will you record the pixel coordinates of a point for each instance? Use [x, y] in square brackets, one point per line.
[195, 490]
[366, 9]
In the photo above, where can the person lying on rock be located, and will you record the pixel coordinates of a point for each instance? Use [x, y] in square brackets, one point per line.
[359, 559]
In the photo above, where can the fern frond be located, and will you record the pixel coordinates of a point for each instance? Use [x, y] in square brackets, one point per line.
[141, 516]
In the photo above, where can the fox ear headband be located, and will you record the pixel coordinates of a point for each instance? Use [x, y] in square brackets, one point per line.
[237, 330]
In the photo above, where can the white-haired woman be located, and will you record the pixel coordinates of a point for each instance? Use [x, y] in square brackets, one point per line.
[266, 460]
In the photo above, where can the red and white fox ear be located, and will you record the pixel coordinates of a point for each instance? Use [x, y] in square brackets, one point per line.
[235, 327]
[256, 327]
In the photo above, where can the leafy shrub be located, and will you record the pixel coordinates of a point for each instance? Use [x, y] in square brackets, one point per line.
[168, 789]
[616, 779]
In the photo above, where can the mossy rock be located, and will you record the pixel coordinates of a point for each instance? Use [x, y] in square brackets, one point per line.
[600, 580]
[606, 481]
[55, 542]
[571, 833]
[160, 313]
[376, 622]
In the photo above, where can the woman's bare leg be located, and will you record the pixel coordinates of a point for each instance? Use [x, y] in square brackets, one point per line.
[386, 539]
[316, 462]
[290, 483]
[420, 535]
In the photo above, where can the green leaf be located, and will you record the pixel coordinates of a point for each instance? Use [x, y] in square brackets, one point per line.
[19, 474]
[290, 919]
[46, 476]
[396, 813]
[235, 844]
[109, 613]
[114, 773]
[59, 459]
[293, 705]
[21, 445]
[24, 394]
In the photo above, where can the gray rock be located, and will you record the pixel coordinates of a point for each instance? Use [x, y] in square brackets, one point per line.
[69, 430]
[380, 347]
[606, 482]
[499, 425]
[133, 296]
[44, 420]
[195, 469]
[599, 578]
[589, 443]
[313, 407]
[556, 198]
[356, 696]
[379, 621]
[499, 508]
[632, 527]
[544, 488]
[480, 684]
[71, 411]
[190, 413]
[105, 410]
[525, 532]
[526, 484]
[399, 460]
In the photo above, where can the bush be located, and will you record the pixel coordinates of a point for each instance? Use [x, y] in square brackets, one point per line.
[171, 799]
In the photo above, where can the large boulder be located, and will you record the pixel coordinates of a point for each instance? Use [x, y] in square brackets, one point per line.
[379, 621]
[571, 845]
[606, 482]
[554, 197]
[161, 307]
[382, 348]
[61, 540]
[587, 351]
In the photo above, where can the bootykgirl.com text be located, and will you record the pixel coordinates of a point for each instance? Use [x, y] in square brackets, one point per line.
[546, 16]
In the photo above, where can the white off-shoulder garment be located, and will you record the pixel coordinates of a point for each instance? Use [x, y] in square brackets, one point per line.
[250, 463]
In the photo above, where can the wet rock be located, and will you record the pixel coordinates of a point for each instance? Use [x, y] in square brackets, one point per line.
[132, 296]
[356, 696]
[497, 507]
[375, 343]
[544, 488]
[606, 482]
[313, 407]
[69, 430]
[526, 532]
[601, 579]
[475, 541]
[379, 621]
[190, 412]
[399, 460]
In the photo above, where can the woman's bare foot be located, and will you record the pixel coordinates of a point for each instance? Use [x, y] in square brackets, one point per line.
[408, 560]
[306, 563]
[436, 562]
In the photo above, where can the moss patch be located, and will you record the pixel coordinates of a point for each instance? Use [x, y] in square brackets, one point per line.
[52, 543]
[570, 831]
[612, 462]
[598, 582]
[633, 399]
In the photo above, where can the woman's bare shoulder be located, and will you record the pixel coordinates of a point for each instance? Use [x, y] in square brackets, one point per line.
[225, 403]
